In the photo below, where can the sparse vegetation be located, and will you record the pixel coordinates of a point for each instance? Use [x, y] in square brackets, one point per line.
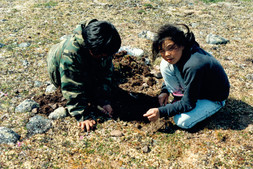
[223, 141]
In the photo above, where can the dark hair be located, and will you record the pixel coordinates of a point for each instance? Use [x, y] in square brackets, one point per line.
[101, 37]
[175, 34]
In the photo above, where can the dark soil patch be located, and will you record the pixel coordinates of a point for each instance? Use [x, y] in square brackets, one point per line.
[127, 100]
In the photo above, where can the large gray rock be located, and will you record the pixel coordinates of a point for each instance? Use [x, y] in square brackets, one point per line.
[26, 106]
[215, 39]
[38, 125]
[8, 136]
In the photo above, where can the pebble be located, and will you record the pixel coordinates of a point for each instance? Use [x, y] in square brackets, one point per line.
[146, 149]
[215, 39]
[147, 35]
[24, 45]
[37, 83]
[58, 113]
[26, 106]
[156, 74]
[50, 89]
[116, 133]
[38, 125]
[8, 136]
[249, 76]
[25, 63]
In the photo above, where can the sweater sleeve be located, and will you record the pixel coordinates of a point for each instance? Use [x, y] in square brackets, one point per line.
[192, 80]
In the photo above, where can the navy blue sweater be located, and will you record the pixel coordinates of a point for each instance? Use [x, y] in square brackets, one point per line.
[204, 78]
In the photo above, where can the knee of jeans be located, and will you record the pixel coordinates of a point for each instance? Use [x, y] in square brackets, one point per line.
[183, 122]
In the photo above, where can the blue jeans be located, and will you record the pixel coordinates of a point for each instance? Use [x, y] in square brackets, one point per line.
[175, 85]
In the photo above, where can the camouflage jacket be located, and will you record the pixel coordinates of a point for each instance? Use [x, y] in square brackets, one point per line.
[79, 75]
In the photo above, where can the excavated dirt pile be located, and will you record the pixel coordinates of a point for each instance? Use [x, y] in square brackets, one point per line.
[134, 90]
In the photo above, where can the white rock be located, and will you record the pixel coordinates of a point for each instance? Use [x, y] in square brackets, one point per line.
[58, 113]
[132, 51]
[50, 89]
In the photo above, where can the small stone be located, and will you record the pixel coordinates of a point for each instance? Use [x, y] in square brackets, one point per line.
[58, 114]
[4, 116]
[156, 74]
[147, 61]
[37, 83]
[35, 110]
[249, 76]
[116, 133]
[50, 89]
[145, 85]
[147, 35]
[24, 45]
[146, 149]
[25, 62]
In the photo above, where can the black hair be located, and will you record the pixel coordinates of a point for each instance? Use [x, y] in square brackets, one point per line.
[101, 37]
[175, 34]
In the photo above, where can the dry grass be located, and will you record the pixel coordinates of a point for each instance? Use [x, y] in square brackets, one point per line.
[225, 141]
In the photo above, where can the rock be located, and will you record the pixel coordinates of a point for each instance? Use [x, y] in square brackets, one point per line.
[8, 136]
[25, 63]
[215, 39]
[38, 125]
[24, 45]
[132, 51]
[26, 106]
[50, 89]
[156, 74]
[147, 35]
[37, 84]
[147, 61]
[4, 116]
[145, 85]
[116, 133]
[146, 149]
[249, 76]
[58, 113]
[2, 45]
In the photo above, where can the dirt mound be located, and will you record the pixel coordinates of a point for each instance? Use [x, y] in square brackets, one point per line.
[128, 103]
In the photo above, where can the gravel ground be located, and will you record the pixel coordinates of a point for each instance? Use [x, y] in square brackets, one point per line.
[29, 28]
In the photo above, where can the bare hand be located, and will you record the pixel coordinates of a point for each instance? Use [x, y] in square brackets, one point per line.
[163, 99]
[152, 114]
[108, 109]
[87, 123]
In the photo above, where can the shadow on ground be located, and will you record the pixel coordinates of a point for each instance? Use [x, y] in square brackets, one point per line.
[235, 115]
